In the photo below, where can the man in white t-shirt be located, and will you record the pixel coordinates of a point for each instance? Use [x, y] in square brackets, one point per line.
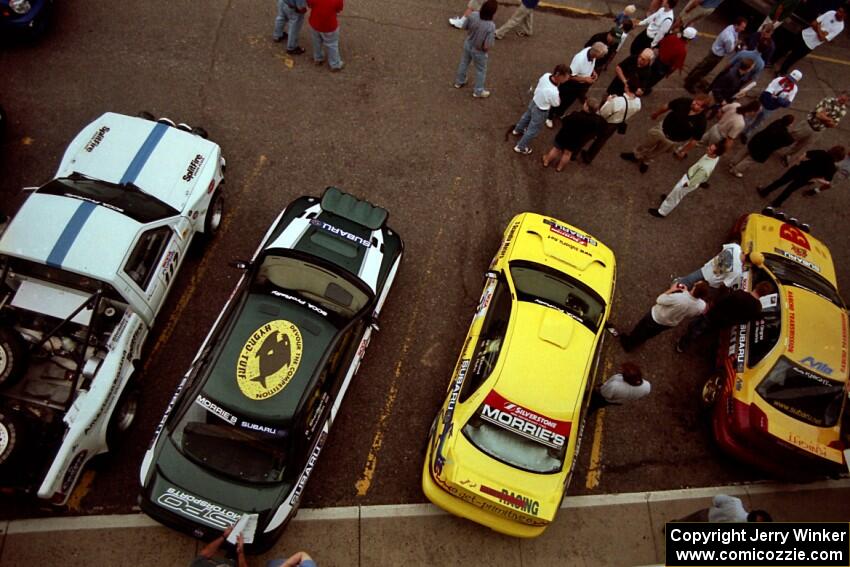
[582, 76]
[626, 386]
[725, 269]
[824, 29]
[671, 308]
[657, 25]
[545, 97]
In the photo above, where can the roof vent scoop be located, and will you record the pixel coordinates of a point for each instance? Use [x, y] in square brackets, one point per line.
[353, 209]
[556, 328]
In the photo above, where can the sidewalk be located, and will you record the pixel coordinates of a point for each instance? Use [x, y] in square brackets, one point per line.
[619, 529]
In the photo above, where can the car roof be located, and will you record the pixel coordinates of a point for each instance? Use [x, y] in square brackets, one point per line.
[816, 334]
[259, 317]
[161, 160]
[545, 361]
[70, 233]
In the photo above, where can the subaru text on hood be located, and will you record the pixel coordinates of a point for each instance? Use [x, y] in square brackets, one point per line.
[503, 446]
[247, 423]
[87, 263]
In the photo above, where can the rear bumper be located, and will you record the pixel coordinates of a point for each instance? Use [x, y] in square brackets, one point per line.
[454, 505]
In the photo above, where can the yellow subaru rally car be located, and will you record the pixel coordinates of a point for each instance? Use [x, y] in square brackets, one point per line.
[503, 445]
[780, 398]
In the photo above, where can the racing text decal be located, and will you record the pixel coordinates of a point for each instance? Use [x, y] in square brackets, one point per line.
[197, 508]
[269, 359]
[193, 167]
[96, 139]
[340, 232]
[527, 423]
[795, 258]
[518, 501]
[569, 233]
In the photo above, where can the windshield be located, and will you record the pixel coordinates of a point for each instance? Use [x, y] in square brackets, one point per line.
[789, 272]
[25, 269]
[517, 436]
[213, 437]
[538, 284]
[803, 394]
[128, 199]
[320, 288]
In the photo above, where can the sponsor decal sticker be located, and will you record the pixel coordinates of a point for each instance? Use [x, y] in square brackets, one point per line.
[742, 346]
[300, 301]
[821, 367]
[525, 422]
[518, 501]
[269, 359]
[216, 410]
[488, 506]
[327, 227]
[73, 471]
[96, 139]
[486, 297]
[305, 475]
[792, 328]
[193, 168]
[843, 343]
[196, 508]
[439, 458]
[568, 245]
[794, 235]
[797, 259]
[168, 409]
[507, 243]
[569, 233]
[815, 448]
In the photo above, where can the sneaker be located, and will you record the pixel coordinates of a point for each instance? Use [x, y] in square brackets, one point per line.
[521, 34]
[655, 213]
[482, 94]
[735, 172]
[457, 22]
[643, 167]
[704, 185]
[523, 151]
[628, 156]
[680, 346]
[612, 329]
[295, 51]
[549, 123]
[516, 132]
[585, 158]
[338, 69]
[319, 62]
[281, 38]
[762, 192]
[458, 85]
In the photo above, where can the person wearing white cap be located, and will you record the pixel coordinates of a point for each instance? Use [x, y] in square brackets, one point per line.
[779, 93]
[672, 51]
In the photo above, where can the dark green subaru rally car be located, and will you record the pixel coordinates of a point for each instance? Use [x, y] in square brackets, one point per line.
[249, 419]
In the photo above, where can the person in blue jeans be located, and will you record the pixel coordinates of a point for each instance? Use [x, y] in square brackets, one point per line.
[480, 37]
[546, 96]
[300, 559]
[325, 31]
[291, 12]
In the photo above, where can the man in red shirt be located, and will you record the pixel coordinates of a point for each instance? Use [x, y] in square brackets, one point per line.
[672, 51]
[326, 31]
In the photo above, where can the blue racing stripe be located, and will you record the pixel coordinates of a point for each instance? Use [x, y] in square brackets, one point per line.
[144, 153]
[70, 233]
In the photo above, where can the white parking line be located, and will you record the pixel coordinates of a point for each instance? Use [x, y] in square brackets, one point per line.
[131, 521]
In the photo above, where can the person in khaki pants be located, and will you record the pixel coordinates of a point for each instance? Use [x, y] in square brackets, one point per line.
[522, 18]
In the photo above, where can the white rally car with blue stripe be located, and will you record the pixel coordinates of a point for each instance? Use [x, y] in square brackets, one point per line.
[87, 263]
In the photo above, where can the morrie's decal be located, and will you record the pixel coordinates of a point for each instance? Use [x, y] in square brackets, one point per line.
[96, 139]
[569, 233]
[550, 432]
[269, 359]
[795, 258]
[821, 367]
[518, 501]
[815, 448]
[300, 301]
[340, 232]
[216, 410]
[794, 235]
[792, 325]
[196, 508]
[193, 168]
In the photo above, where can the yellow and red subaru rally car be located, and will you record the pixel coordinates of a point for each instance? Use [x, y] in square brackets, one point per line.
[502, 447]
[780, 397]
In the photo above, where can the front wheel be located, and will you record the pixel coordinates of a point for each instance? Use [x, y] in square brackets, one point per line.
[711, 391]
[124, 414]
[12, 353]
[215, 212]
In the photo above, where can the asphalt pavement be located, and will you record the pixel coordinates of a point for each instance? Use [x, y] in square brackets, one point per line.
[390, 128]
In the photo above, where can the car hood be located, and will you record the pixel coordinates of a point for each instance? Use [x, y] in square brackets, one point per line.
[161, 160]
[269, 357]
[810, 320]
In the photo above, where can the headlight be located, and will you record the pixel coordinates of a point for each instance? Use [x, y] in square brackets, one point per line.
[20, 6]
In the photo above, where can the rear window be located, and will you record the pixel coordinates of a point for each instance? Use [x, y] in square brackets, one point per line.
[803, 394]
[517, 436]
[215, 438]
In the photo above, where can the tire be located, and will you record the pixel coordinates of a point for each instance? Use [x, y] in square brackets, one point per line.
[711, 391]
[124, 414]
[12, 357]
[147, 115]
[215, 212]
[198, 131]
[11, 438]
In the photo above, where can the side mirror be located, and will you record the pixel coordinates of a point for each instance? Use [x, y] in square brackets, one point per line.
[240, 264]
